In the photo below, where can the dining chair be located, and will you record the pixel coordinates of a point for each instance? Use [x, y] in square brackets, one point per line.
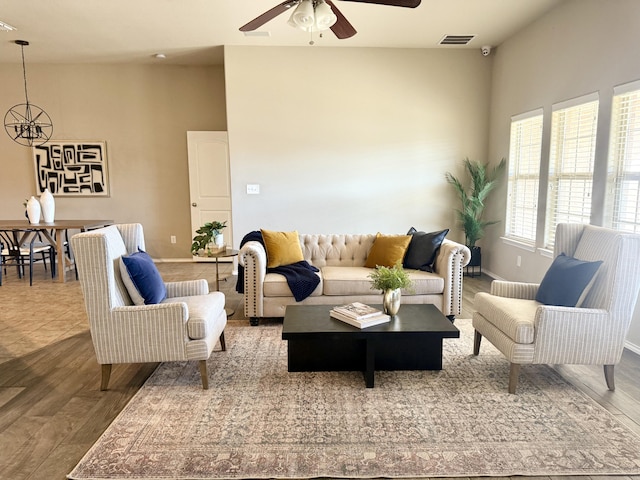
[15, 253]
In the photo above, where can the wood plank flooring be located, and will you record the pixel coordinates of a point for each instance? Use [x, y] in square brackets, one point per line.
[51, 408]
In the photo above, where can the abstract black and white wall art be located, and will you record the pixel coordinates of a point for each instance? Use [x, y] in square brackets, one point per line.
[72, 168]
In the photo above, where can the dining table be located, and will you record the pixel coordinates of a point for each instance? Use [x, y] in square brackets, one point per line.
[55, 233]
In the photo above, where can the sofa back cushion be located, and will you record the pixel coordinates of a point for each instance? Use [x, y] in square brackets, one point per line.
[336, 250]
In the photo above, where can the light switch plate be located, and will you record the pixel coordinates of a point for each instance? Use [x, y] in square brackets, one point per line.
[253, 189]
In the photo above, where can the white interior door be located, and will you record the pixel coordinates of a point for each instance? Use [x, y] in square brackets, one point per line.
[210, 182]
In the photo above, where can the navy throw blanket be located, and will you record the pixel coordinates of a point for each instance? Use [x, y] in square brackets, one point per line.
[301, 276]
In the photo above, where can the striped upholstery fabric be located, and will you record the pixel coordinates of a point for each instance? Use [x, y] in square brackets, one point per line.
[185, 326]
[592, 334]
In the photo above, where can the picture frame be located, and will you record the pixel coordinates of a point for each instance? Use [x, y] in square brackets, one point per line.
[72, 168]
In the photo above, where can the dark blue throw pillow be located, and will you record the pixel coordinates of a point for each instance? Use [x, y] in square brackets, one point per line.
[423, 249]
[142, 274]
[567, 281]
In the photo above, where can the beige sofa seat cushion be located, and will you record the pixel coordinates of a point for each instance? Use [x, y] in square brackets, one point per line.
[203, 312]
[425, 283]
[275, 285]
[513, 316]
[356, 281]
[346, 280]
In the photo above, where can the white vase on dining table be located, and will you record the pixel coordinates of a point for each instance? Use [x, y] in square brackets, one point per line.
[48, 206]
[33, 210]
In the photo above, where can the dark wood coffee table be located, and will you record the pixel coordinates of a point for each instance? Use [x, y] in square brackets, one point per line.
[412, 340]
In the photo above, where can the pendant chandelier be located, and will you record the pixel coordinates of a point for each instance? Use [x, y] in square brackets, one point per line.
[26, 123]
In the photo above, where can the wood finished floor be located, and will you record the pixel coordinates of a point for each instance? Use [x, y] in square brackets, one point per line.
[51, 408]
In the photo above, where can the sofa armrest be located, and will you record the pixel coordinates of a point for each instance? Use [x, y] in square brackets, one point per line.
[577, 335]
[451, 259]
[521, 290]
[253, 258]
[142, 333]
[187, 288]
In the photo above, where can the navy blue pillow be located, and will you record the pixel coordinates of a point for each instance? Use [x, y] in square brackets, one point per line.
[567, 281]
[423, 249]
[142, 274]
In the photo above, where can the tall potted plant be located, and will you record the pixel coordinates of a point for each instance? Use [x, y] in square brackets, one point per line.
[473, 194]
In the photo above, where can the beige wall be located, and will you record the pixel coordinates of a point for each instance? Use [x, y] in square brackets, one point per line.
[143, 113]
[351, 140]
[583, 46]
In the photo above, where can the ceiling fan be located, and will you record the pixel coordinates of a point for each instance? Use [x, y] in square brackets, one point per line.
[339, 25]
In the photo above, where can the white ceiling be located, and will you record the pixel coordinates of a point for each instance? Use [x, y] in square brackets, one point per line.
[192, 31]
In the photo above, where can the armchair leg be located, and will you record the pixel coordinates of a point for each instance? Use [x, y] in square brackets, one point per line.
[477, 338]
[106, 374]
[223, 344]
[608, 376]
[203, 375]
[514, 372]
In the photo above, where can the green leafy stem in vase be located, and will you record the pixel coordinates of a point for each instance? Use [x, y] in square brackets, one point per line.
[389, 278]
[205, 235]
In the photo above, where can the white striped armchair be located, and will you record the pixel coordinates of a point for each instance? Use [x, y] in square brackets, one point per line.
[186, 325]
[529, 332]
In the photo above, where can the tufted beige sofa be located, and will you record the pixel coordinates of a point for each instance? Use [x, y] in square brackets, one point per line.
[344, 278]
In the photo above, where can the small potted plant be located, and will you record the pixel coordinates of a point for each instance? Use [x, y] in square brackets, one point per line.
[210, 231]
[390, 280]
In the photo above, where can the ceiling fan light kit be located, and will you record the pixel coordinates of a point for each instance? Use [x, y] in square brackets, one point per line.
[319, 15]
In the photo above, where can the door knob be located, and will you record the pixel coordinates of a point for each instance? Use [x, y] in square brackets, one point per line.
[194, 204]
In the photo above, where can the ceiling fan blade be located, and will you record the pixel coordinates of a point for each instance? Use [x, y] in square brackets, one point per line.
[393, 3]
[342, 28]
[268, 15]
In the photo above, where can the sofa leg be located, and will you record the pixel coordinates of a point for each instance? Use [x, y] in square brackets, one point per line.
[514, 373]
[223, 344]
[106, 375]
[203, 375]
[608, 376]
[253, 321]
[477, 338]
[452, 318]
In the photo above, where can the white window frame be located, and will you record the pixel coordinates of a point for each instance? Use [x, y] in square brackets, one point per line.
[623, 182]
[574, 126]
[523, 178]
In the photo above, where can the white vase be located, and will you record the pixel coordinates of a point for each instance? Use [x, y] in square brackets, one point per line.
[48, 204]
[219, 240]
[33, 210]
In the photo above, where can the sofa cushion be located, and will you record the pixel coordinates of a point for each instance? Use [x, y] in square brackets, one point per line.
[346, 281]
[567, 281]
[283, 248]
[275, 285]
[424, 283]
[513, 316]
[203, 311]
[387, 250]
[142, 279]
[423, 249]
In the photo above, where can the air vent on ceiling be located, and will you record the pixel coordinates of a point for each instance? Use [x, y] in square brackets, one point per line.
[456, 39]
[257, 33]
[5, 27]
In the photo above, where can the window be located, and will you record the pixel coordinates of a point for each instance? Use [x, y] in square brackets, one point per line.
[524, 177]
[623, 199]
[571, 158]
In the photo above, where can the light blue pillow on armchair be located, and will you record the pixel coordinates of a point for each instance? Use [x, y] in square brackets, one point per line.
[567, 281]
[142, 279]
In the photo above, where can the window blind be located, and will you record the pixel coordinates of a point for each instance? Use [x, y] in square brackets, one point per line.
[525, 149]
[571, 159]
[624, 160]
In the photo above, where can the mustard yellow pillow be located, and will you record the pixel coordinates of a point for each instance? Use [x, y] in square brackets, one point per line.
[283, 248]
[387, 250]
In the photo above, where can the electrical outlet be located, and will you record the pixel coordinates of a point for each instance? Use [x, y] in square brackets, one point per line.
[173, 239]
[518, 261]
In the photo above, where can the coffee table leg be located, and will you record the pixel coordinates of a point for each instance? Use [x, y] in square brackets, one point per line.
[370, 365]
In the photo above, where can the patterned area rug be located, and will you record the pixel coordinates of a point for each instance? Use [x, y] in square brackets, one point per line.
[259, 421]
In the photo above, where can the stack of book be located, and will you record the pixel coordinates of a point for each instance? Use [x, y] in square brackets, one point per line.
[359, 315]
